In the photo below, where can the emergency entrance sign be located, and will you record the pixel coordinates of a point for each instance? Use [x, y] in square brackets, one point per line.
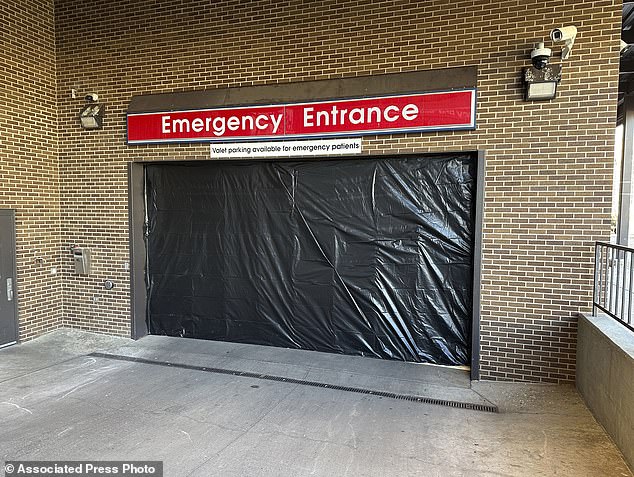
[451, 110]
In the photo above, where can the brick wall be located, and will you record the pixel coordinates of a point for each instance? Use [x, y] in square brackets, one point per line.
[549, 164]
[29, 177]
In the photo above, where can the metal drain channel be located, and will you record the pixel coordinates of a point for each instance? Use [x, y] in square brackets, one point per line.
[268, 377]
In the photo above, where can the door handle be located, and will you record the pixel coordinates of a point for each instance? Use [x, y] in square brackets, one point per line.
[9, 289]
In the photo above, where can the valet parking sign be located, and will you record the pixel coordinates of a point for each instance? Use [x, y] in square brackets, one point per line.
[450, 110]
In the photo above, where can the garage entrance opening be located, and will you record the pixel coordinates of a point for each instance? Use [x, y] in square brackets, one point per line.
[370, 256]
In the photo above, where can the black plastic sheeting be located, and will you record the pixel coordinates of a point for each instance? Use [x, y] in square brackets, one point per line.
[366, 257]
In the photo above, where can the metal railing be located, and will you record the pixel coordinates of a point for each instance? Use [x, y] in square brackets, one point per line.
[614, 282]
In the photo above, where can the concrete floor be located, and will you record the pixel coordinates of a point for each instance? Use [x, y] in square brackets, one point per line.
[56, 402]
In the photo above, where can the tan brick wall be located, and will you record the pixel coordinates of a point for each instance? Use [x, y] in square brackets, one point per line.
[549, 165]
[29, 173]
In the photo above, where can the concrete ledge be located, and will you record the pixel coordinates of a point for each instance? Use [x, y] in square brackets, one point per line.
[605, 377]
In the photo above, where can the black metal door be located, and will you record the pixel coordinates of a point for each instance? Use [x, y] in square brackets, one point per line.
[8, 295]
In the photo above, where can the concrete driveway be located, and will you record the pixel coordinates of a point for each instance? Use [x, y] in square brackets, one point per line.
[221, 409]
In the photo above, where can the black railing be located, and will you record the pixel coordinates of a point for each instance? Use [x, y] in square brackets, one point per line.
[614, 282]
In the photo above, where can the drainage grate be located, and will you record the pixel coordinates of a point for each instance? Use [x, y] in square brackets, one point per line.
[268, 377]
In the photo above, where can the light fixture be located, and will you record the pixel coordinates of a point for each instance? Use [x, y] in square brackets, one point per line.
[541, 85]
[91, 116]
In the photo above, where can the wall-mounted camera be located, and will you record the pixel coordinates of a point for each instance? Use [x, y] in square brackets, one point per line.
[91, 115]
[566, 34]
[540, 55]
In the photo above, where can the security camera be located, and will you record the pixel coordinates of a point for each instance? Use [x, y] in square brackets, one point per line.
[92, 97]
[540, 55]
[566, 34]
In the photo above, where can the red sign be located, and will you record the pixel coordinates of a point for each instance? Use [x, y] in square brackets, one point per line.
[450, 110]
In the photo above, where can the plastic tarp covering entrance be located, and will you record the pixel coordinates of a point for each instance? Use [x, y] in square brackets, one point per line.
[368, 256]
